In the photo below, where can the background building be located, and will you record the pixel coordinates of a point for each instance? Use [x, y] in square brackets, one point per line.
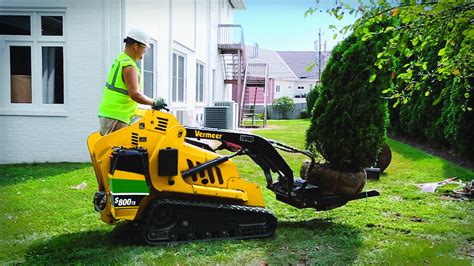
[55, 56]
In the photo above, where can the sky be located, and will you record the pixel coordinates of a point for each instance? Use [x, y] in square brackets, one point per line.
[280, 25]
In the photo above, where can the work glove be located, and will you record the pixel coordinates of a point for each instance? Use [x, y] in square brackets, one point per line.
[159, 103]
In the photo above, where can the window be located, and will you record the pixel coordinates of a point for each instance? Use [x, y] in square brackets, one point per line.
[149, 70]
[178, 82]
[199, 82]
[300, 87]
[20, 74]
[32, 60]
[277, 89]
[180, 116]
[51, 25]
[15, 25]
[52, 69]
[289, 87]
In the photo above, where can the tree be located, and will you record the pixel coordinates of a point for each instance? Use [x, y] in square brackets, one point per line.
[311, 98]
[412, 27]
[348, 125]
[283, 105]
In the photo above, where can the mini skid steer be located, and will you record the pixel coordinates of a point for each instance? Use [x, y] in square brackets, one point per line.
[174, 187]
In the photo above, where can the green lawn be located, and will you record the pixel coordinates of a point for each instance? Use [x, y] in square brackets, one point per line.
[43, 220]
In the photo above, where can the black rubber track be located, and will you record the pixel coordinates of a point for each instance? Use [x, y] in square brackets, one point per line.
[171, 221]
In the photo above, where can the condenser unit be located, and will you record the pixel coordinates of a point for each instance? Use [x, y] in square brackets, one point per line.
[216, 116]
[222, 115]
[232, 115]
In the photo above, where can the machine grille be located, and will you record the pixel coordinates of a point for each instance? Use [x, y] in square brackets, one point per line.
[162, 124]
[134, 139]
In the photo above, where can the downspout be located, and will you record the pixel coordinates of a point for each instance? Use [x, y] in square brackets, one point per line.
[210, 90]
[170, 54]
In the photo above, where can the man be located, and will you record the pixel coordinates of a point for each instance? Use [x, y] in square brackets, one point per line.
[123, 90]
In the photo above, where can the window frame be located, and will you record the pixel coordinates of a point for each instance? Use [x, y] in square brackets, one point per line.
[202, 93]
[36, 41]
[154, 71]
[173, 67]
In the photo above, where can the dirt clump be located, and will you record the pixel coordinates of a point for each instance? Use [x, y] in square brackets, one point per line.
[333, 181]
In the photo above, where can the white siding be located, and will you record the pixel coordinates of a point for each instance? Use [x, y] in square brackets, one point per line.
[92, 31]
[188, 27]
[291, 92]
[93, 38]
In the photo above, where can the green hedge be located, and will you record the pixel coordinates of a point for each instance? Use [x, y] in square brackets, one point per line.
[444, 125]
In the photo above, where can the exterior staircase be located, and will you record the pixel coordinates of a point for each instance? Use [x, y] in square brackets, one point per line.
[254, 100]
[249, 80]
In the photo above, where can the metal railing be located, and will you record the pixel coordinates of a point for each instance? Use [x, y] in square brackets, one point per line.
[257, 71]
[230, 36]
[255, 74]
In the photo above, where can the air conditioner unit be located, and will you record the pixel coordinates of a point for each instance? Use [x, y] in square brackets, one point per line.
[232, 114]
[216, 116]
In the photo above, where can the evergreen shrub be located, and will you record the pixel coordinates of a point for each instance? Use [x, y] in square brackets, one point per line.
[311, 98]
[348, 124]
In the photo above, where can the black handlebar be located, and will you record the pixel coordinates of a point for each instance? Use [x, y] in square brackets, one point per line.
[159, 109]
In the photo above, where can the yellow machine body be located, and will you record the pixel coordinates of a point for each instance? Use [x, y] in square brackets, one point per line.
[128, 192]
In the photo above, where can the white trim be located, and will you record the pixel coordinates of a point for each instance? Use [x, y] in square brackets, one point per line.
[170, 54]
[204, 83]
[208, 52]
[129, 194]
[36, 42]
[179, 46]
[283, 61]
[195, 25]
[36, 112]
[18, 9]
[154, 49]
[178, 103]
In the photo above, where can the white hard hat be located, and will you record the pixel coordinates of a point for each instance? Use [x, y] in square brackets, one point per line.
[139, 36]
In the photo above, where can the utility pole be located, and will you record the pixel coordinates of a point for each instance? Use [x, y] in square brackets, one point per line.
[319, 64]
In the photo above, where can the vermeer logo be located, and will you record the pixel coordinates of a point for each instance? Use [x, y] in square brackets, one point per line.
[208, 135]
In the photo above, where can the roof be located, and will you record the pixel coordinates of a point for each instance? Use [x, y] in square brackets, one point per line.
[298, 61]
[277, 68]
[238, 4]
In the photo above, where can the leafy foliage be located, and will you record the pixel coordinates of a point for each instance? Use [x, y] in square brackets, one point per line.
[304, 113]
[348, 120]
[412, 28]
[283, 105]
[442, 125]
[427, 56]
[311, 98]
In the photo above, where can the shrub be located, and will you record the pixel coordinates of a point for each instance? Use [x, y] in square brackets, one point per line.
[311, 98]
[259, 116]
[459, 128]
[283, 106]
[444, 125]
[348, 124]
[304, 113]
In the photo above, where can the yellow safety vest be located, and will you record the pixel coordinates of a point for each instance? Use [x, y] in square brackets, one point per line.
[116, 102]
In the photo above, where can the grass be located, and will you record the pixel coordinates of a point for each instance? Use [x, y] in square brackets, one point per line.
[43, 220]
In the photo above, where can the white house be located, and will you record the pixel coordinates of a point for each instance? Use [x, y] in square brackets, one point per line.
[287, 70]
[55, 56]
